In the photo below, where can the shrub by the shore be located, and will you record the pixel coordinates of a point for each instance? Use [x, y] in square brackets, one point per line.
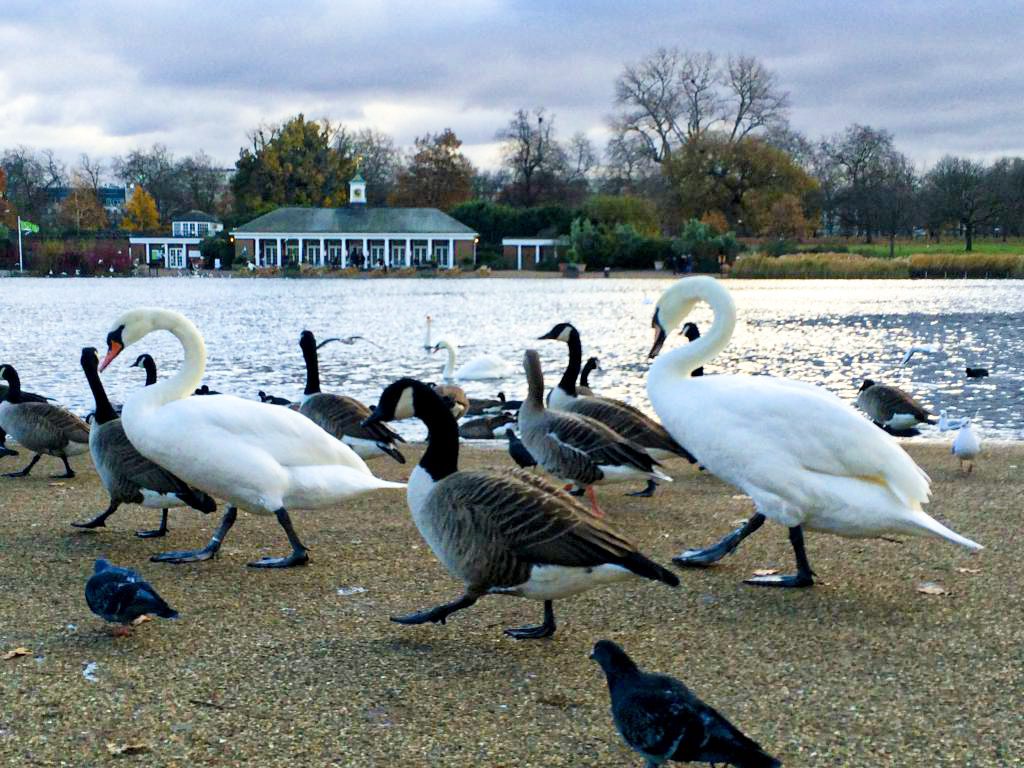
[969, 265]
[843, 266]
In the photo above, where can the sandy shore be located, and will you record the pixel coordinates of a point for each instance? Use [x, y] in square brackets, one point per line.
[279, 669]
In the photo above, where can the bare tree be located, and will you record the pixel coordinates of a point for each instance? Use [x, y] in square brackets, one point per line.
[581, 160]
[957, 189]
[653, 104]
[379, 161]
[896, 196]
[202, 180]
[859, 154]
[32, 179]
[89, 172]
[754, 95]
[531, 154]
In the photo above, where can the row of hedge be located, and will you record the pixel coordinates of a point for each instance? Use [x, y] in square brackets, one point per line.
[848, 266]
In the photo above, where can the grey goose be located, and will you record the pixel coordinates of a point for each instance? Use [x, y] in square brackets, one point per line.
[486, 427]
[891, 408]
[43, 428]
[632, 423]
[504, 533]
[343, 416]
[128, 476]
[574, 448]
[120, 596]
[664, 721]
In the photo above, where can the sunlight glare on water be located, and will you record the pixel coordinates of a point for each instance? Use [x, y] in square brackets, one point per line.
[832, 333]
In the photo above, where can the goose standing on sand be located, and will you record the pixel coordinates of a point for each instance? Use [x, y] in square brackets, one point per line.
[844, 476]
[257, 457]
[584, 389]
[577, 449]
[343, 416]
[128, 476]
[891, 408]
[664, 721]
[486, 427]
[43, 428]
[478, 369]
[966, 445]
[504, 533]
[631, 423]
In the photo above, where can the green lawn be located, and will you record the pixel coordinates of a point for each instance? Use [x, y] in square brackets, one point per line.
[880, 248]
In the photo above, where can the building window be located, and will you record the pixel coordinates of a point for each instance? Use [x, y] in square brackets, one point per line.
[377, 255]
[397, 254]
[334, 253]
[176, 257]
[441, 254]
[313, 252]
[270, 254]
[291, 252]
[202, 229]
[419, 254]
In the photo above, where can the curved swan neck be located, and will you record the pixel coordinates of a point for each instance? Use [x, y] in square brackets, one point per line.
[183, 383]
[682, 361]
[312, 369]
[568, 381]
[449, 367]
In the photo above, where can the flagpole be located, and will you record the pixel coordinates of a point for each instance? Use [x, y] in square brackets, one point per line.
[21, 260]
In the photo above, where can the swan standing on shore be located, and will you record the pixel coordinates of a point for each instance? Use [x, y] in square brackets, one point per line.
[839, 475]
[478, 369]
[257, 457]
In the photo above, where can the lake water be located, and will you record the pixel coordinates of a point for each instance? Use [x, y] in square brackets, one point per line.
[833, 333]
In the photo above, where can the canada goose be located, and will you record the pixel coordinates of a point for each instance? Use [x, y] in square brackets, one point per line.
[478, 369]
[844, 476]
[577, 449]
[486, 427]
[629, 422]
[506, 533]
[265, 398]
[663, 720]
[343, 416]
[479, 406]
[976, 373]
[584, 386]
[43, 428]
[259, 457]
[26, 397]
[205, 390]
[890, 407]
[120, 596]
[966, 445]
[454, 397]
[146, 362]
[128, 476]
[692, 333]
[519, 453]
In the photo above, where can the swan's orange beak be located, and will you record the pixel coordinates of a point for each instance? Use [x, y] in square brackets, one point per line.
[112, 351]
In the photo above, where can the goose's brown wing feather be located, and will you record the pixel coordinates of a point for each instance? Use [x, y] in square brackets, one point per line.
[129, 465]
[343, 416]
[50, 426]
[892, 400]
[600, 443]
[629, 422]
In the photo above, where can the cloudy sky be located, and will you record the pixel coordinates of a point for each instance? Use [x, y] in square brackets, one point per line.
[105, 76]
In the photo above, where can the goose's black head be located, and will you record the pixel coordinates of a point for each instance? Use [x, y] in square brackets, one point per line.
[307, 341]
[867, 383]
[690, 331]
[142, 360]
[405, 399]
[613, 660]
[660, 334]
[7, 373]
[90, 359]
[561, 332]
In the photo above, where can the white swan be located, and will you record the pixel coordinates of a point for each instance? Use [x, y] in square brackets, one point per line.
[427, 343]
[259, 457]
[478, 369]
[842, 475]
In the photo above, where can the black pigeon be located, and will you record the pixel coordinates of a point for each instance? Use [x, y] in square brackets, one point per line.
[977, 373]
[661, 719]
[519, 452]
[265, 398]
[120, 595]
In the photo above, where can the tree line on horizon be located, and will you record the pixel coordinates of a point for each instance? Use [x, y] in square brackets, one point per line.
[696, 137]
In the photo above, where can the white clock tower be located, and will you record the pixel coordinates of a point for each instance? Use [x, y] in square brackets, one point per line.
[357, 190]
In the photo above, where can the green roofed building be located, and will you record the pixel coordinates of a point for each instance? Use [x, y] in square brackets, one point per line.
[355, 236]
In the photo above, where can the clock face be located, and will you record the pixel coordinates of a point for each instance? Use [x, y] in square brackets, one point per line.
[359, 193]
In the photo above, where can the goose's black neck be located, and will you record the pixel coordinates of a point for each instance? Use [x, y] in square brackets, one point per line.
[572, 371]
[442, 455]
[13, 385]
[104, 410]
[312, 369]
[591, 365]
[149, 364]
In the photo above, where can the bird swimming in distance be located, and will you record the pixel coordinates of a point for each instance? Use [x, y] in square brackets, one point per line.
[976, 373]
[120, 596]
[662, 719]
[265, 398]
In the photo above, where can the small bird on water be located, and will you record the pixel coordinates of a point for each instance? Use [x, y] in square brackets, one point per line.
[120, 596]
[664, 721]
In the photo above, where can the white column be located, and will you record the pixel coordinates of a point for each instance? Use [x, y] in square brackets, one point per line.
[147, 251]
[256, 251]
[366, 255]
[387, 252]
[519, 256]
[430, 249]
[302, 250]
[323, 252]
[451, 253]
[408, 251]
[344, 253]
[280, 255]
